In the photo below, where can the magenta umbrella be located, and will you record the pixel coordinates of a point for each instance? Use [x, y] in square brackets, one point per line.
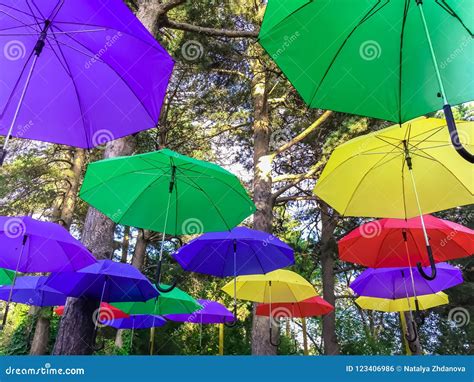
[78, 72]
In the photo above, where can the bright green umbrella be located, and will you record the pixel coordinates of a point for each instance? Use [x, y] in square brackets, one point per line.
[6, 276]
[173, 302]
[393, 60]
[166, 192]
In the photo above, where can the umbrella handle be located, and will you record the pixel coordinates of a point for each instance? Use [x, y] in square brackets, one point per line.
[278, 343]
[233, 323]
[453, 133]
[158, 278]
[94, 346]
[415, 334]
[413, 347]
[432, 265]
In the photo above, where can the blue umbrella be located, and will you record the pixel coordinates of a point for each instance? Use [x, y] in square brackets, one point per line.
[30, 290]
[240, 251]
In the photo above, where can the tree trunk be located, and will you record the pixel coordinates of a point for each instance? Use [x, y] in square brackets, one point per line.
[138, 259]
[125, 244]
[64, 216]
[262, 192]
[75, 335]
[328, 254]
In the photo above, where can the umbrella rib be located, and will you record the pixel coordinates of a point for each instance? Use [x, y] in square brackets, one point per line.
[376, 164]
[76, 91]
[208, 198]
[116, 73]
[17, 10]
[372, 11]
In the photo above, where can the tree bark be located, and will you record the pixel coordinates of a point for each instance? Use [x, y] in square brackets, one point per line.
[262, 192]
[64, 216]
[75, 335]
[328, 254]
[138, 259]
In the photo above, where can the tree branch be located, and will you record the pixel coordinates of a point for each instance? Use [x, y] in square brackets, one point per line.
[208, 31]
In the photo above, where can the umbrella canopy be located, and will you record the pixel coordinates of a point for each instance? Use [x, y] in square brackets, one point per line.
[311, 307]
[211, 313]
[395, 283]
[107, 312]
[105, 281]
[277, 286]
[402, 304]
[370, 175]
[30, 245]
[31, 290]
[175, 301]
[198, 196]
[380, 243]
[256, 252]
[6, 276]
[372, 58]
[138, 321]
[81, 72]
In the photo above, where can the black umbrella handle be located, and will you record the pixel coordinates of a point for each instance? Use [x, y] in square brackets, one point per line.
[158, 279]
[233, 323]
[432, 265]
[453, 133]
[278, 343]
[415, 334]
[94, 345]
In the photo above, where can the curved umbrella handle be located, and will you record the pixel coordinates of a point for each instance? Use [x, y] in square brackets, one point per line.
[415, 334]
[233, 323]
[453, 132]
[94, 346]
[432, 265]
[295, 349]
[158, 278]
[271, 340]
[413, 347]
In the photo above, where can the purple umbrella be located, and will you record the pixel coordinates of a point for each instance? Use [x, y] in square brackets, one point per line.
[106, 280]
[29, 245]
[394, 283]
[137, 321]
[78, 72]
[241, 251]
[212, 313]
[30, 290]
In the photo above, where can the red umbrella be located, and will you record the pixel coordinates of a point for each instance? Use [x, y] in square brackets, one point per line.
[389, 243]
[107, 312]
[311, 307]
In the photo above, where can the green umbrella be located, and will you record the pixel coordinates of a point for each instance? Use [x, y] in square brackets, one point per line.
[6, 276]
[393, 60]
[166, 192]
[174, 302]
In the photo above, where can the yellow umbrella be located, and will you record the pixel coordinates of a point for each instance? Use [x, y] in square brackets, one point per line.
[402, 304]
[400, 172]
[277, 286]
